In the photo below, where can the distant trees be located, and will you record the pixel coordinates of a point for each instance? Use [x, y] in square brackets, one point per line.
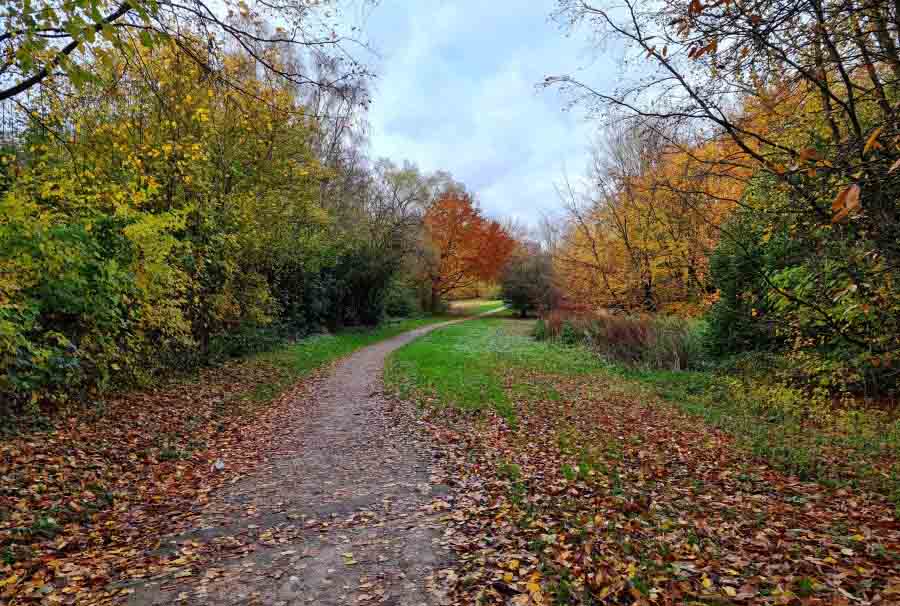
[464, 247]
[640, 238]
[527, 283]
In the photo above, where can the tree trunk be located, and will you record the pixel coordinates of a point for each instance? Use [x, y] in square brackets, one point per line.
[435, 293]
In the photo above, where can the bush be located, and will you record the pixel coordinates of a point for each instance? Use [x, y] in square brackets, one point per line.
[247, 339]
[741, 318]
[804, 295]
[569, 334]
[401, 300]
[540, 330]
[527, 284]
[662, 342]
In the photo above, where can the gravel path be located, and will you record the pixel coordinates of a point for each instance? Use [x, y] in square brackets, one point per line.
[347, 514]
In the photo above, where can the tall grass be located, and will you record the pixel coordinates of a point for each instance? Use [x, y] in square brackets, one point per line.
[660, 342]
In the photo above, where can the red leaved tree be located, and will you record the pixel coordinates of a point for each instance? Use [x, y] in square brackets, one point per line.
[466, 246]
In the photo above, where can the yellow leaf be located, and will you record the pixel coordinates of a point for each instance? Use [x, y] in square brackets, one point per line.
[513, 565]
[730, 591]
[9, 581]
[707, 582]
[872, 141]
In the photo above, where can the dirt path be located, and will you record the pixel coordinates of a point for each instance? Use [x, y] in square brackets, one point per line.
[346, 514]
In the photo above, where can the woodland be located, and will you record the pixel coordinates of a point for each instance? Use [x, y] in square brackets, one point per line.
[192, 224]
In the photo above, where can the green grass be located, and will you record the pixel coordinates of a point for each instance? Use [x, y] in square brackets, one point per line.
[293, 362]
[494, 363]
[464, 365]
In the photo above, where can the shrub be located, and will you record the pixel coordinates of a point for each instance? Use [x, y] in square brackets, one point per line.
[569, 334]
[740, 319]
[401, 300]
[663, 342]
[540, 330]
[527, 284]
[247, 339]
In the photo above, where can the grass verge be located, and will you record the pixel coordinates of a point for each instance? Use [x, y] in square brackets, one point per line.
[814, 441]
[601, 492]
[469, 366]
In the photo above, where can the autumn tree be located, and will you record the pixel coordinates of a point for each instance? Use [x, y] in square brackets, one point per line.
[801, 99]
[638, 238]
[465, 247]
[156, 218]
[44, 40]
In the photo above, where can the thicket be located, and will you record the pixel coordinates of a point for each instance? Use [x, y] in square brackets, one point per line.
[648, 341]
[161, 216]
[751, 175]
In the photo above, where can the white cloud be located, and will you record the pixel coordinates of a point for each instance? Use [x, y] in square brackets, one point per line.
[457, 91]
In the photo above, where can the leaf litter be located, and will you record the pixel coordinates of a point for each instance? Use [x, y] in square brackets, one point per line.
[83, 505]
[594, 497]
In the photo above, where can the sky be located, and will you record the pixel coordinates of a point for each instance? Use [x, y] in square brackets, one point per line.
[456, 91]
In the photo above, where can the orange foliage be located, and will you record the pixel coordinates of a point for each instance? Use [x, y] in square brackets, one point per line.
[467, 247]
[643, 241]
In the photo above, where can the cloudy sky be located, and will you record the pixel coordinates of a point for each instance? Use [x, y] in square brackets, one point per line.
[456, 91]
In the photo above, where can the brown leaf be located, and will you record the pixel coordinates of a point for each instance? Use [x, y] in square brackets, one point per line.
[846, 202]
[840, 201]
[809, 154]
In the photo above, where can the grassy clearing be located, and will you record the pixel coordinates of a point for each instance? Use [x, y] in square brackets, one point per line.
[797, 431]
[465, 365]
[601, 492]
[494, 362]
[473, 307]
